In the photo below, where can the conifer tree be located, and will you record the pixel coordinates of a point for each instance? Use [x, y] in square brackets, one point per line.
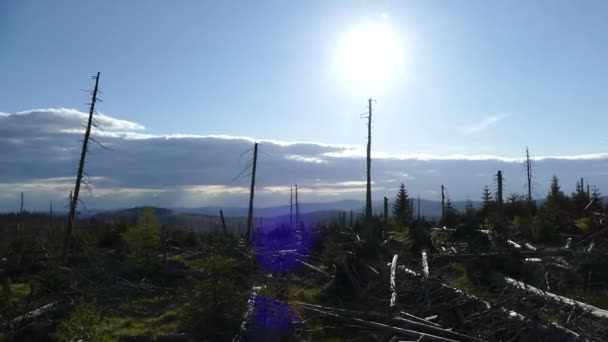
[401, 207]
[487, 202]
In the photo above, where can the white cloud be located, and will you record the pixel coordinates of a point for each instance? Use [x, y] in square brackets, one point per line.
[484, 123]
[75, 116]
[39, 150]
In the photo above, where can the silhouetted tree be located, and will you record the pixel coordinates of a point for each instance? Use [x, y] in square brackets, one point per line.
[580, 199]
[487, 202]
[451, 215]
[401, 207]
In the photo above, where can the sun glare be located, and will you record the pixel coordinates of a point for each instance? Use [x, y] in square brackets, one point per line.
[369, 55]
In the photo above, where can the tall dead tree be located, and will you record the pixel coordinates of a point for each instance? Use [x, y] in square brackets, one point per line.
[351, 218]
[297, 208]
[442, 203]
[83, 155]
[385, 214]
[251, 192]
[368, 195]
[291, 207]
[529, 175]
[224, 230]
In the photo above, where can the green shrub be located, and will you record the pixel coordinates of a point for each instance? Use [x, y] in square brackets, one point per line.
[143, 241]
[83, 324]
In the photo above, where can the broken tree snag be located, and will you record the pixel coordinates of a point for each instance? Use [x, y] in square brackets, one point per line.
[368, 192]
[595, 311]
[251, 193]
[425, 264]
[223, 222]
[83, 155]
[393, 287]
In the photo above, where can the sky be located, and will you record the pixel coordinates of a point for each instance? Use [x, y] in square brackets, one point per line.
[453, 81]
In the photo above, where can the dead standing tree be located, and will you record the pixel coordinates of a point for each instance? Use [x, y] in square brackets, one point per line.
[79, 181]
[251, 192]
[297, 208]
[529, 175]
[368, 194]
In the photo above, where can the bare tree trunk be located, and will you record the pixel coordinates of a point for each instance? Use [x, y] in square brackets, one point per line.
[368, 195]
[297, 208]
[83, 154]
[442, 203]
[529, 175]
[224, 230]
[418, 209]
[251, 192]
[385, 215]
[291, 207]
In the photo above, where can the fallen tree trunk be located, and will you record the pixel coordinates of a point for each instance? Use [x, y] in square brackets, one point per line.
[540, 327]
[392, 285]
[419, 324]
[595, 311]
[420, 336]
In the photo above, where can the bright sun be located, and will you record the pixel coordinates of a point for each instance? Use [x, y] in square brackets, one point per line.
[369, 55]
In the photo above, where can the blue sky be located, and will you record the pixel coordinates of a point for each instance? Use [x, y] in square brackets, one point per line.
[264, 69]
[467, 85]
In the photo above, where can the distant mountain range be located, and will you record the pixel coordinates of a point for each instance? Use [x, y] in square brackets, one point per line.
[429, 209]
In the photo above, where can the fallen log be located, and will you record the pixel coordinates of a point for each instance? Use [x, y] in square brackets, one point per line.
[540, 327]
[423, 327]
[420, 336]
[248, 313]
[392, 285]
[425, 264]
[595, 311]
[315, 269]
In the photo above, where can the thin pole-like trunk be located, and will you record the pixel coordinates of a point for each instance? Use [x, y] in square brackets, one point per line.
[251, 192]
[368, 195]
[529, 175]
[83, 154]
[442, 203]
[351, 218]
[297, 208]
[291, 207]
[224, 230]
[385, 215]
